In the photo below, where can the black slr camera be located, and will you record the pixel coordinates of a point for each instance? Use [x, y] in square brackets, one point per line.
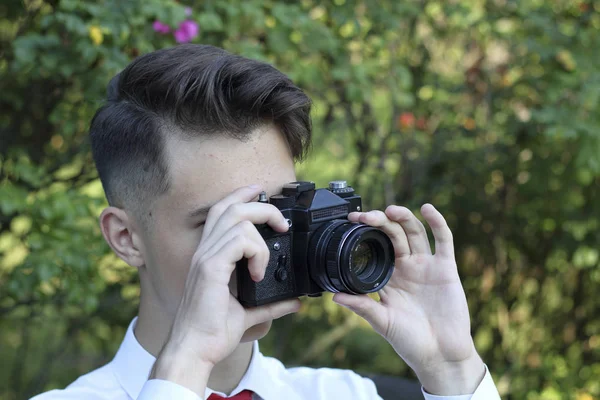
[322, 250]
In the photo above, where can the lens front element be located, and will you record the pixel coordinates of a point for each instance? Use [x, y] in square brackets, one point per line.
[352, 258]
[361, 257]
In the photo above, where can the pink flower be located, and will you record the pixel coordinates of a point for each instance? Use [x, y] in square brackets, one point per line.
[161, 27]
[187, 31]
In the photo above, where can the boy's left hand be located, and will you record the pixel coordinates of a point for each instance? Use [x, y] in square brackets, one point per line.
[423, 310]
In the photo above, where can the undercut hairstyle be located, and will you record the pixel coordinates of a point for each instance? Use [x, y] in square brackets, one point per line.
[189, 90]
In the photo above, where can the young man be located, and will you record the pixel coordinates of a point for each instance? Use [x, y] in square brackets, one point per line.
[187, 140]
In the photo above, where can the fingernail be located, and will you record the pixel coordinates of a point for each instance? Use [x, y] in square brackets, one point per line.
[254, 186]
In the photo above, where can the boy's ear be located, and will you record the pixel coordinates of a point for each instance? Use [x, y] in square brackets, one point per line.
[117, 228]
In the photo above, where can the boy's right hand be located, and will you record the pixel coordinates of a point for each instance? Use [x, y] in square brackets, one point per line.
[210, 321]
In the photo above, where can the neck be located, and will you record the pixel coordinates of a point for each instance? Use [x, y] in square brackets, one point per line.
[152, 330]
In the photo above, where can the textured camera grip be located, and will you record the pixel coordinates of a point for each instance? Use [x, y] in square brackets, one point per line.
[278, 283]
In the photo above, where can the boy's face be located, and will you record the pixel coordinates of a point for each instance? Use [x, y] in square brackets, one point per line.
[201, 172]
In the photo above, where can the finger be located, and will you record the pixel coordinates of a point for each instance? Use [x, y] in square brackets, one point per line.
[241, 228]
[257, 264]
[444, 244]
[414, 229]
[256, 213]
[369, 309]
[354, 216]
[240, 195]
[219, 266]
[269, 312]
[378, 219]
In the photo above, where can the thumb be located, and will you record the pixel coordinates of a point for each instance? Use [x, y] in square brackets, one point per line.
[269, 312]
[369, 309]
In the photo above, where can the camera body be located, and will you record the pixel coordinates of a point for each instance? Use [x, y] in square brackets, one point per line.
[321, 251]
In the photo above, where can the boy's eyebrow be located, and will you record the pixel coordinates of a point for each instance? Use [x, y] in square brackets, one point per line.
[200, 211]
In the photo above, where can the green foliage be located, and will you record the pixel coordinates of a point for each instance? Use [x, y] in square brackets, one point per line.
[489, 109]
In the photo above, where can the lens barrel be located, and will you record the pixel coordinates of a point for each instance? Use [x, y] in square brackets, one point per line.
[350, 257]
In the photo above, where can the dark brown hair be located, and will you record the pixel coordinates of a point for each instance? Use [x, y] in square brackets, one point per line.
[191, 90]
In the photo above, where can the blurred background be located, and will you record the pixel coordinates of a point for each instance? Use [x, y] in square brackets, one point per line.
[489, 109]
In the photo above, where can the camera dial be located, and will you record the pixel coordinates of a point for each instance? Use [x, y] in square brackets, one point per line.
[335, 185]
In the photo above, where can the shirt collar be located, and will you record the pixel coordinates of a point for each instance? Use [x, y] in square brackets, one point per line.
[132, 365]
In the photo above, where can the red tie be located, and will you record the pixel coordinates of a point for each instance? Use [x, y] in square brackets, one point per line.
[243, 395]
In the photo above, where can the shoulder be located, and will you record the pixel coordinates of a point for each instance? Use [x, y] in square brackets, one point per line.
[99, 384]
[325, 383]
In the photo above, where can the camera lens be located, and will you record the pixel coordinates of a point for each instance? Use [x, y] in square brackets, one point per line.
[349, 257]
[362, 256]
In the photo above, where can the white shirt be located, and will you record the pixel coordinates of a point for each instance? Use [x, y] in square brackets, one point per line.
[126, 378]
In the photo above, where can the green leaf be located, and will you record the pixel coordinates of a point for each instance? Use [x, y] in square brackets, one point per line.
[210, 22]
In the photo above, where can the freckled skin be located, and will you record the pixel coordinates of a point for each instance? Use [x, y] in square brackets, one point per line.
[202, 171]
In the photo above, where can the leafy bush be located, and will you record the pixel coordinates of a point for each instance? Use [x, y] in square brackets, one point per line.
[487, 109]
